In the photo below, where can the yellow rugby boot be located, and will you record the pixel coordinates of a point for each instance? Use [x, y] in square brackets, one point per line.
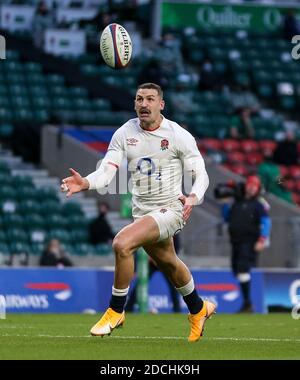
[109, 321]
[198, 320]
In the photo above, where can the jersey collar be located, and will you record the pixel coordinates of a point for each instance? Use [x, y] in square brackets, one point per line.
[155, 129]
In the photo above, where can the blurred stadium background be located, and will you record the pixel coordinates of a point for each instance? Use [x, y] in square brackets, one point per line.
[59, 106]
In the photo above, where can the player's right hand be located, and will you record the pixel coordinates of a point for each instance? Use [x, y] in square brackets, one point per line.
[74, 184]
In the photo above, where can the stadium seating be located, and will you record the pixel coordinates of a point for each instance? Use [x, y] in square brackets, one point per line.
[27, 94]
[38, 215]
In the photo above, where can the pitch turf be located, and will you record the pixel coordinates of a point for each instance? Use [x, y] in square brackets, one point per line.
[162, 336]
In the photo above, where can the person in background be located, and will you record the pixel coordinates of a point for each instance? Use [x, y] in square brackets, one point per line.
[286, 152]
[244, 105]
[54, 256]
[100, 230]
[249, 227]
[271, 178]
[42, 20]
[291, 25]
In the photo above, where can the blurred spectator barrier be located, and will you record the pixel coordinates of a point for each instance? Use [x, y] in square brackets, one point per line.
[65, 42]
[60, 290]
[16, 17]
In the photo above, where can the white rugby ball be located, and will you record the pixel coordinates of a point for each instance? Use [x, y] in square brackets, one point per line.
[116, 46]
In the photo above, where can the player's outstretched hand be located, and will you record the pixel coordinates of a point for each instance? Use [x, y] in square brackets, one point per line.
[74, 184]
[188, 204]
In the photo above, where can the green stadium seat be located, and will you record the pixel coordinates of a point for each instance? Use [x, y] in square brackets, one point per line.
[4, 249]
[37, 91]
[265, 90]
[59, 91]
[3, 89]
[5, 180]
[89, 69]
[75, 92]
[34, 222]
[36, 248]
[15, 78]
[29, 206]
[12, 55]
[19, 247]
[4, 168]
[103, 249]
[262, 76]
[216, 53]
[220, 67]
[47, 193]
[77, 221]
[101, 104]
[27, 192]
[54, 221]
[55, 79]
[60, 103]
[112, 80]
[16, 235]
[242, 79]
[72, 209]
[6, 116]
[2, 236]
[85, 117]
[62, 235]
[66, 116]
[41, 116]
[36, 79]
[6, 130]
[4, 101]
[7, 192]
[79, 235]
[280, 76]
[11, 221]
[17, 90]
[40, 102]
[50, 207]
[196, 56]
[12, 66]
[22, 181]
[32, 67]
[83, 249]
[287, 102]
[68, 248]
[20, 102]
[82, 104]
[22, 115]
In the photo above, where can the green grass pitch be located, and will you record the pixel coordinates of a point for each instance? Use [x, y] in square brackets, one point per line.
[149, 336]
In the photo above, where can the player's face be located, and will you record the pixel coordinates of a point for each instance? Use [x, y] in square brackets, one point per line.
[148, 105]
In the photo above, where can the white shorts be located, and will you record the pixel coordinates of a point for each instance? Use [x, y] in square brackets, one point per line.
[169, 219]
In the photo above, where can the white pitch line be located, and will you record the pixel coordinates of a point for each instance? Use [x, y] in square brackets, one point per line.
[245, 339]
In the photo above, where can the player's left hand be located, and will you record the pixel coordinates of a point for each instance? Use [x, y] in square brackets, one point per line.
[188, 204]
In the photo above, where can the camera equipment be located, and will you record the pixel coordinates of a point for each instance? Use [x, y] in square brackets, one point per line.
[230, 190]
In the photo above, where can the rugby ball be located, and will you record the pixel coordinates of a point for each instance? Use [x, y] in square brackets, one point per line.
[116, 46]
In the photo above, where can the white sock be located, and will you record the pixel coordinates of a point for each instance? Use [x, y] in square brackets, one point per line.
[187, 289]
[120, 292]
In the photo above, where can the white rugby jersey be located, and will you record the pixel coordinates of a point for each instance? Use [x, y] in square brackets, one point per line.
[156, 160]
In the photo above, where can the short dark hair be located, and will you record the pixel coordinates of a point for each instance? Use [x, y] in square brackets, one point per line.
[151, 86]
